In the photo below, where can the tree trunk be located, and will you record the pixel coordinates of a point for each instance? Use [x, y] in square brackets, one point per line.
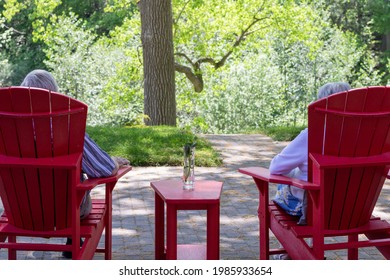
[158, 61]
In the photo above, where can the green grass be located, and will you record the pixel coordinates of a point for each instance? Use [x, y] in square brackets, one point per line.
[163, 145]
[153, 146]
[280, 133]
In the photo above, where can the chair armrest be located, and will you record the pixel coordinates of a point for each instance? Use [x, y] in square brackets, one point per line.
[264, 175]
[61, 162]
[323, 161]
[91, 183]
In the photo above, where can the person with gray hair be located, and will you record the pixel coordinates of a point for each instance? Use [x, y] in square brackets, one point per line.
[331, 88]
[292, 162]
[95, 163]
[40, 79]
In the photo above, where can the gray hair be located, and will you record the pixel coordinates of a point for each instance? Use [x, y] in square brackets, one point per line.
[331, 88]
[40, 79]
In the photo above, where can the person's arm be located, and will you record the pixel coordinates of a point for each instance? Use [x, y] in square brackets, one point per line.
[116, 168]
[292, 156]
[119, 162]
[97, 163]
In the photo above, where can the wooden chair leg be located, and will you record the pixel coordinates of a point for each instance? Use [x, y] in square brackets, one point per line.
[11, 252]
[108, 221]
[353, 253]
[263, 219]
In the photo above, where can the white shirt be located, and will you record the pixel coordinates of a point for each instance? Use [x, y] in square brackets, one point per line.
[292, 161]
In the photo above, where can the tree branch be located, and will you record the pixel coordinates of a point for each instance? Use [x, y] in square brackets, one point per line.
[237, 42]
[14, 30]
[194, 74]
[175, 21]
[195, 79]
[186, 58]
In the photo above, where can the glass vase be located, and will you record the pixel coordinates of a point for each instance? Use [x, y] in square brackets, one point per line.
[189, 166]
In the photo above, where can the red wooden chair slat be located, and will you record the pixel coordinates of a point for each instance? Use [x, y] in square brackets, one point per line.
[9, 195]
[349, 125]
[356, 177]
[9, 147]
[30, 200]
[40, 103]
[349, 131]
[77, 123]
[330, 144]
[10, 138]
[42, 138]
[60, 132]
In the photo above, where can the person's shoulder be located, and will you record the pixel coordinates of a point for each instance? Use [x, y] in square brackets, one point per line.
[302, 136]
[304, 131]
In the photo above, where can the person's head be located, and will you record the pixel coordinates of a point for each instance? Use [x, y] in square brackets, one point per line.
[330, 88]
[40, 79]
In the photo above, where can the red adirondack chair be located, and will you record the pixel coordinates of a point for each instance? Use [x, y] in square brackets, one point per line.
[41, 146]
[349, 159]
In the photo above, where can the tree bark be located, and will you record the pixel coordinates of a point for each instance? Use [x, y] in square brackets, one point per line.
[158, 62]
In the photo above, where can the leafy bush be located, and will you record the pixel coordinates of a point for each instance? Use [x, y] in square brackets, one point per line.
[104, 76]
[5, 70]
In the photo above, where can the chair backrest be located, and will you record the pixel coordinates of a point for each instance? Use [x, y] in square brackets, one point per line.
[351, 124]
[37, 123]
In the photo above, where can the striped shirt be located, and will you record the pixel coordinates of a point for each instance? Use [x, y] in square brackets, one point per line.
[96, 163]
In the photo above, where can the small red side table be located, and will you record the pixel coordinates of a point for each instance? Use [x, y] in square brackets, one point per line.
[205, 196]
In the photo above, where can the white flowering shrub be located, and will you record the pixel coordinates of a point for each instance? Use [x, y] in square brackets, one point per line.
[102, 75]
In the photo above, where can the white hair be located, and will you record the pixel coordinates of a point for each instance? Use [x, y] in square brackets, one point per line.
[331, 88]
[40, 79]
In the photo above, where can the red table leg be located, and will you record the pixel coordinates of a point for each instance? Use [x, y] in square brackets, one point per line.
[213, 232]
[159, 228]
[171, 232]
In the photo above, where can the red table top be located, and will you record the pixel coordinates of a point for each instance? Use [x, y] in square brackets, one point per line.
[171, 191]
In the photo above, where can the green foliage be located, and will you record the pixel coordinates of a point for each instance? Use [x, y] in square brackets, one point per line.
[369, 20]
[16, 44]
[273, 84]
[5, 70]
[101, 16]
[358, 16]
[381, 15]
[153, 146]
[265, 78]
[214, 39]
[388, 71]
[214, 33]
[97, 72]
[11, 8]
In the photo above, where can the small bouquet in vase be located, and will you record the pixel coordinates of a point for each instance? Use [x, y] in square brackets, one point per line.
[189, 164]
